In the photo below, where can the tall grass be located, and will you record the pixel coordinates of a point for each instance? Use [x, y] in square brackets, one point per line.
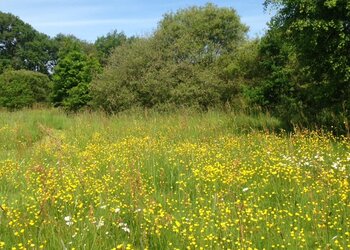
[186, 180]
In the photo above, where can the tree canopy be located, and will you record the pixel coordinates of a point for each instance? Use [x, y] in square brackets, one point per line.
[71, 78]
[106, 44]
[22, 47]
[320, 34]
[303, 64]
[23, 88]
[175, 66]
[200, 57]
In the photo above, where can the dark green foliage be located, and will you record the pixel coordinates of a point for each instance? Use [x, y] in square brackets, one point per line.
[200, 35]
[320, 32]
[239, 70]
[106, 44]
[177, 66]
[114, 89]
[197, 57]
[22, 47]
[13, 32]
[71, 78]
[70, 43]
[304, 63]
[23, 88]
[275, 86]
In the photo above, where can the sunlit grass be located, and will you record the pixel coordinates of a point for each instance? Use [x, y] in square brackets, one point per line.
[170, 181]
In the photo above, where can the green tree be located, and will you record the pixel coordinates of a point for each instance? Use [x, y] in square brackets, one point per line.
[239, 71]
[106, 44]
[115, 88]
[71, 78]
[200, 35]
[176, 65]
[276, 86]
[23, 88]
[22, 47]
[69, 43]
[319, 33]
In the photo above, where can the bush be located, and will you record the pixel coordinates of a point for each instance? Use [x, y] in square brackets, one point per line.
[23, 88]
[71, 79]
[176, 66]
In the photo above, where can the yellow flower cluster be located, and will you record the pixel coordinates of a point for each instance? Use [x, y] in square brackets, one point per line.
[256, 191]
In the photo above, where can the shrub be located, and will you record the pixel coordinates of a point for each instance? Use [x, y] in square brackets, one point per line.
[23, 88]
[71, 78]
[176, 66]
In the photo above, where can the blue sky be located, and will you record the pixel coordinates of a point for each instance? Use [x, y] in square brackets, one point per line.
[88, 19]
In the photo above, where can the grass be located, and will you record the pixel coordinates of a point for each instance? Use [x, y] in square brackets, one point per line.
[169, 181]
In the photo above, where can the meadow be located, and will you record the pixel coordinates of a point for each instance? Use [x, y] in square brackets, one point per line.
[186, 180]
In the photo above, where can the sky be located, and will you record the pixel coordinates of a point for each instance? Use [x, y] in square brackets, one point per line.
[89, 19]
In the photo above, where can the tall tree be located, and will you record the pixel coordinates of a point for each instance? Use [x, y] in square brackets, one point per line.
[69, 43]
[319, 32]
[176, 65]
[106, 44]
[71, 78]
[200, 34]
[22, 47]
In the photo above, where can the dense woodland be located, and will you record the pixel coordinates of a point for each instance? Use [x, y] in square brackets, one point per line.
[199, 57]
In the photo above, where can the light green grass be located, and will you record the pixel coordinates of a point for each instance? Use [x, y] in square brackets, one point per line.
[191, 180]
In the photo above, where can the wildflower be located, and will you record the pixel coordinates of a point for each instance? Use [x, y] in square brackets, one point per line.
[335, 165]
[120, 246]
[245, 189]
[117, 210]
[100, 223]
[68, 220]
[124, 227]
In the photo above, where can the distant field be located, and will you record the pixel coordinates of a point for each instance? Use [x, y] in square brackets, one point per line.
[160, 181]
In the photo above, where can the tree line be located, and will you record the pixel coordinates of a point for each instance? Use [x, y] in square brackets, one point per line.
[199, 57]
